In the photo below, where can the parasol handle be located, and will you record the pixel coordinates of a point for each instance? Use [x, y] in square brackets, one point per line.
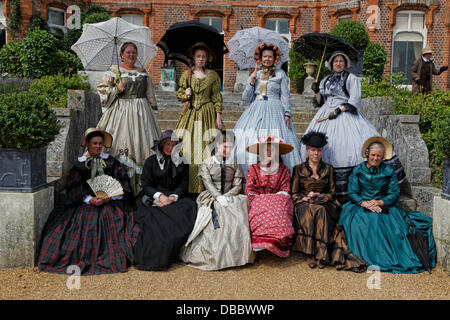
[321, 60]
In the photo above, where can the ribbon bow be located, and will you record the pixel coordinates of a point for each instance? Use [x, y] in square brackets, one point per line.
[96, 164]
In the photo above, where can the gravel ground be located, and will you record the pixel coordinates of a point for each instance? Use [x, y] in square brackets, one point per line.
[269, 277]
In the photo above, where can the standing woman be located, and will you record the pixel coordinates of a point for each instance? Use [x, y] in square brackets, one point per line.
[225, 240]
[166, 217]
[129, 103]
[199, 89]
[268, 192]
[95, 234]
[339, 96]
[316, 211]
[269, 112]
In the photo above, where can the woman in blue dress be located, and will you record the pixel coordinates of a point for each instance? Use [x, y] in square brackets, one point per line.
[339, 118]
[374, 222]
[269, 112]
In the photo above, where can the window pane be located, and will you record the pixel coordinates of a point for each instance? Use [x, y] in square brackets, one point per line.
[56, 17]
[417, 21]
[401, 21]
[217, 23]
[133, 18]
[271, 24]
[408, 36]
[283, 26]
[57, 32]
[204, 20]
[405, 53]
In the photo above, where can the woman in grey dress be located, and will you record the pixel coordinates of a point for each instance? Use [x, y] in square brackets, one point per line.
[221, 235]
[339, 118]
[269, 112]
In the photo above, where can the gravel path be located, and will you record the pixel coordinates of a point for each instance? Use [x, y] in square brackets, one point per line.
[269, 277]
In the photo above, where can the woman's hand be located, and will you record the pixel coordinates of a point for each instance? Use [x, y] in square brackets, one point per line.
[219, 121]
[99, 201]
[165, 200]
[253, 77]
[288, 122]
[372, 205]
[188, 93]
[121, 87]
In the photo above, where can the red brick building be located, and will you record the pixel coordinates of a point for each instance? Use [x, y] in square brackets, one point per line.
[403, 27]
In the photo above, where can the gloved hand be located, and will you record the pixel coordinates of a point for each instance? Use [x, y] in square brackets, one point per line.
[315, 87]
[334, 114]
[223, 201]
[443, 69]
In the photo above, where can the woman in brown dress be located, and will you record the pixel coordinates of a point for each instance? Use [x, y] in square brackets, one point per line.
[316, 211]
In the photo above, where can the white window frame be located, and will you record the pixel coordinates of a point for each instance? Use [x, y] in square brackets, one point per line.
[423, 32]
[3, 19]
[134, 15]
[210, 22]
[63, 28]
[286, 35]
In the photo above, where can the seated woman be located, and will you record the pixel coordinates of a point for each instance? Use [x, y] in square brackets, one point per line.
[165, 216]
[223, 235]
[374, 222]
[316, 211]
[96, 234]
[267, 189]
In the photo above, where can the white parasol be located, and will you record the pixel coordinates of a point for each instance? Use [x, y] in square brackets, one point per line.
[99, 45]
[244, 43]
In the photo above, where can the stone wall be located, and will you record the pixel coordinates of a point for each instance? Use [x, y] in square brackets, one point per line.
[441, 231]
[83, 111]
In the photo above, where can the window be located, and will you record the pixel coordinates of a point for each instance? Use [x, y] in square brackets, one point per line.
[2, 26]
[344, 17]
[408, 40]
[133, 18]
[57, 22]
[279, 25]
[216, 22]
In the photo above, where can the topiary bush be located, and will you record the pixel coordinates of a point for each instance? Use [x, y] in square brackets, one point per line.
[97, 17]
[352, 32]
[10, 63]
[53, 89]
[26, 121]
[374, 61]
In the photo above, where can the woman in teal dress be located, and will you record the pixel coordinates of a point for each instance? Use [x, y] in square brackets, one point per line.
[374, 222]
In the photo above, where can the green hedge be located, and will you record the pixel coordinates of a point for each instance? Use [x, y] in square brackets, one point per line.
[353, 32]
[53, 89]
[434, 112]
[26, 121]
[374, 61]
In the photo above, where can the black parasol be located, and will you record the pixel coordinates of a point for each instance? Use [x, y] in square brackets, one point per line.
[183, 35]
[419, 244]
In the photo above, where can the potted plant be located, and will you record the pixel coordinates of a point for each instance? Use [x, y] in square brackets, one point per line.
[27, 126]
[443, 138]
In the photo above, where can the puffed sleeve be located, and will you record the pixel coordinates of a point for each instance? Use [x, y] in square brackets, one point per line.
[354, 90]
[298, 190]
[285, 94]
[393, 192]
[205, 176]
[249, 92]
[216, 95]
[331, 186]
[285, 184]
[150, 93]
[237, 183]
[354, 191]
[149, 183]
[120, 173]
[77, 189]
[182, 86]
[251, 187]
[106, 88]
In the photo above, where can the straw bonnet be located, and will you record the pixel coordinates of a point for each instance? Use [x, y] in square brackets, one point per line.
[329, 63]
[202, 46]
[283, 148]
[388, 152]
[314, 139]
[168, 134]
[426, 50]
[264, 46]
[107, 137]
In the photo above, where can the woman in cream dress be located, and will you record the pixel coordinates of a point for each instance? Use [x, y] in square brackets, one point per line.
[223, 235]
[128, 102]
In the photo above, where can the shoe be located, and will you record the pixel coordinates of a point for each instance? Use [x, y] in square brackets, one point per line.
[322, 264]
[312, 263]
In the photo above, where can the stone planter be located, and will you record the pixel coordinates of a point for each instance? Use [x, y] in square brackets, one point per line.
[22, 171]
[446, 183]
[310, 68]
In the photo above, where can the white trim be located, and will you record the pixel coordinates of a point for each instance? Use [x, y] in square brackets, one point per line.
[83, 158]
[63, 27]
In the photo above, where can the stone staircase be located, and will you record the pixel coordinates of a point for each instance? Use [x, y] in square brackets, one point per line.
[169, 110]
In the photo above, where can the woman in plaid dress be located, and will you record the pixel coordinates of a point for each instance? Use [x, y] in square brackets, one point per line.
[91, 233]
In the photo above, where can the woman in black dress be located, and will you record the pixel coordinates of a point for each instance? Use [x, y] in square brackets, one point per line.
[166, 217]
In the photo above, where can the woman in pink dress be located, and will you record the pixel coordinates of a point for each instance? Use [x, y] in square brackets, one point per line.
[268, 192]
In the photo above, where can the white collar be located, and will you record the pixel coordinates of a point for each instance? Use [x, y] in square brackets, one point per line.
[83, 158]
[425, 59]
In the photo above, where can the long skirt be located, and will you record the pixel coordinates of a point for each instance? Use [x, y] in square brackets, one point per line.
[318, 235]
[225, 241]
[381, 238]
[164, 230]
[270, 220]
[95, 239]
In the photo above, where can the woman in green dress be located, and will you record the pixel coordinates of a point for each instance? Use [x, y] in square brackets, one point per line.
[199, 89]
[375, 224]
